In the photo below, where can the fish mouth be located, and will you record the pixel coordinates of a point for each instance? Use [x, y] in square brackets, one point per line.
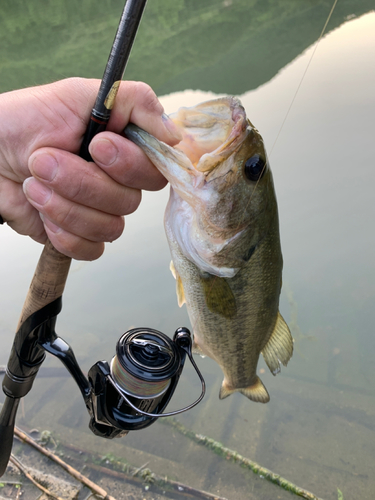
[211, 131]
[211, 134]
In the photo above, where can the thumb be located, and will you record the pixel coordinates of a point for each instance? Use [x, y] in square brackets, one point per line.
[137, 103]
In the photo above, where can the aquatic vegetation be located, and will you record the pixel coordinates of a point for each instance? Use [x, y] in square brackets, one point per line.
[235, 457]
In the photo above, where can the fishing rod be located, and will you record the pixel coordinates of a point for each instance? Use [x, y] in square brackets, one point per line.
[133, 390]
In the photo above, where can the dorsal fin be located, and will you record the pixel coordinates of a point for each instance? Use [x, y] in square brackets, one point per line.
[219, 296]
[279, 347]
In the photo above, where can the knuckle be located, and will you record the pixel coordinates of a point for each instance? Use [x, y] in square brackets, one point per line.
[66, 218]
[75, 247]
[148, 97]
[109, 230]
[132, 201]
[77, 190]
[115, 229]
[159, 183]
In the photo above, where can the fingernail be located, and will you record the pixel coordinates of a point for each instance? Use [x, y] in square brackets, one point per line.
[44, 166]
[51, 226]
[36, 191]
[103, 151]
[171, 127]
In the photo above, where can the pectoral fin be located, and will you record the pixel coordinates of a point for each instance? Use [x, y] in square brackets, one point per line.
[219, 296]
[279, 348]
[173, 270]
[256, 392]
[179, 287]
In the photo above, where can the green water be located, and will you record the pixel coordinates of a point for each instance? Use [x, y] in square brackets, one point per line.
[318, 428]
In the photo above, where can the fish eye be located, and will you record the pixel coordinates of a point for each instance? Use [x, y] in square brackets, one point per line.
[255, 168]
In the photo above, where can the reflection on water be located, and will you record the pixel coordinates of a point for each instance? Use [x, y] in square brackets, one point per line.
[182, 44]
[318, 429]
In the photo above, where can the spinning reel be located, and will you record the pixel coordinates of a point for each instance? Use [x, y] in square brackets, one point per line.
[129, 393]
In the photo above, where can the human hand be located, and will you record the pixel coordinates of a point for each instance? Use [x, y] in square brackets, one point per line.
[46, 190]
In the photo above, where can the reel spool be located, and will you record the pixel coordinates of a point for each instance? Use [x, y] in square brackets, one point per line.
[144, 365]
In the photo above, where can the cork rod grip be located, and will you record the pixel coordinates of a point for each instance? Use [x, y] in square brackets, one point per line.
[48, 281]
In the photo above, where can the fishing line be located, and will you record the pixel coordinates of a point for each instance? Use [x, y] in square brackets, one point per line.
[278, 134]
[304, 74]
[293, 99]
[295, 94]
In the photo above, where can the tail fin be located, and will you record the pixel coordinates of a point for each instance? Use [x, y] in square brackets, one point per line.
[256, 392]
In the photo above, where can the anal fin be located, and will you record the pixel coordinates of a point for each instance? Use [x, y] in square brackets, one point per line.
[279, 348]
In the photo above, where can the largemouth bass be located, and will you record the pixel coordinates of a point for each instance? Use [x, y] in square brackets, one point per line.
[222, 226]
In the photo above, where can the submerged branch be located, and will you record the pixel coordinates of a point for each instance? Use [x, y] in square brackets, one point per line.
[73, 472]
[15, 461]
[235, 457]
[139, 475]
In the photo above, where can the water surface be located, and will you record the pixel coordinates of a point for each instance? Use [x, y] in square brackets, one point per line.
[318, 429]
